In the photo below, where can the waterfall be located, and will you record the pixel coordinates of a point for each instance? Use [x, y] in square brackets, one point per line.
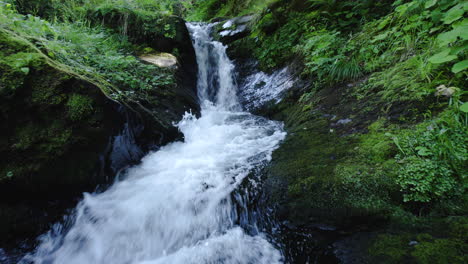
[176, 206]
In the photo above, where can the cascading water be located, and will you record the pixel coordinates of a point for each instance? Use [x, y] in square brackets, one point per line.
[176, 206]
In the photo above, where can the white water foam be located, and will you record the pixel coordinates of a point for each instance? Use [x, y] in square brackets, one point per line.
[260, 88]
[175, 207]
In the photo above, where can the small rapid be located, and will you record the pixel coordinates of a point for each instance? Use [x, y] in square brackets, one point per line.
[177, 205]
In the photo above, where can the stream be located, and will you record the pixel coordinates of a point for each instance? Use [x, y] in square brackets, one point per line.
[181, 204]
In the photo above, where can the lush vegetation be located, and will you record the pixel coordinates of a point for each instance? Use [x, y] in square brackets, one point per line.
[396, 70]
[398, 52]
[205, 10]
[93, 53]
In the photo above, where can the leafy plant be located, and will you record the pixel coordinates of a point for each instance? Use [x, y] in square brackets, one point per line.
[434, 157]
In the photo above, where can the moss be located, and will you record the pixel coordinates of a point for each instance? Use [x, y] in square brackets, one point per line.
[35, 131]
[331, 177]
[348, 173]
[377, 145]
[441, 251]
[391, 249]
[419, 248]
[14, 65]
[53, 88]
[10, 80]
[79, 107]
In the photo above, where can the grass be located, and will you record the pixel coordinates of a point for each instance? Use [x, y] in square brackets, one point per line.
[92, 53]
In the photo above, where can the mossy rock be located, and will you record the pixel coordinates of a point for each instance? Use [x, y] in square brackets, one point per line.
[54, 128]
[38, 133]
[320, 175]
[50, 116]
[160, 31]
[419, 248]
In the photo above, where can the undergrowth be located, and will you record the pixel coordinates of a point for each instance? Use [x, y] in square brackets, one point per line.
[204, 10]
[93, 53]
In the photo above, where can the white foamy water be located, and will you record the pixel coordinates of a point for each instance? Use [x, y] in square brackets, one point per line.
[176, 207]
[260, 88]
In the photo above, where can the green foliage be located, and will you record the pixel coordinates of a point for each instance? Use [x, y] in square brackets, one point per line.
[204, 10]
[343, 40]
[345, 69]
[76, 10]
[434, 158]
[102, 57]
[136, 22]
[392, 84]
[349, 15]
[275, 49]
[319, 51]
[440, 251]
[423, 180]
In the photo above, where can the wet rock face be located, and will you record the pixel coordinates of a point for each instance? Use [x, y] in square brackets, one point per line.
[257, 89]
[233, 29]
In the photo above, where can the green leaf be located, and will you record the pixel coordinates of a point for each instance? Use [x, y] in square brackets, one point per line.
[423, 151]
[460, 66]
[447, 37]
[457, 50]
[462, 28]
[380, 37]
[464, 107]
[436, 16]
[401, 9]
[442, 57]
[384, 23]
[25, 70]
[453, 14]
[430, 3]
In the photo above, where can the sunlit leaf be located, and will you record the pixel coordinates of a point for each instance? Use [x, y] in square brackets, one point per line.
[442, 57]
[448, 37]
[423, 151]
[384, 23]
[453, 14]
[464, 107]
[460, 66]
[430, 3]
[25, 70]
[380, 37]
